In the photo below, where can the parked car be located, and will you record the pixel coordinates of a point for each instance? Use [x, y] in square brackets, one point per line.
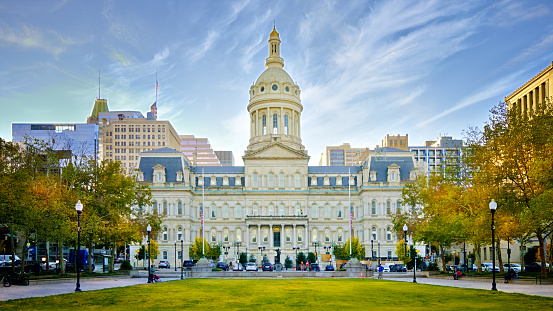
[515, 267]
[398, 268]
[488, 267]
[188, 264]
[251, 266]
[532, 267]
[221, 265]
[237, 267]
[164, 264]
[118, 260]
[267, 267]
[314, 267]
[329, 268]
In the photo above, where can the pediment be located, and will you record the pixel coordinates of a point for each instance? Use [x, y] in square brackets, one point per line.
[393, 166]
[276, 151]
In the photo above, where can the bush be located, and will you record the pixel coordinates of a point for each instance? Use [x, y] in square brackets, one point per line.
[216, 269]
[432, 266]
[125, 265]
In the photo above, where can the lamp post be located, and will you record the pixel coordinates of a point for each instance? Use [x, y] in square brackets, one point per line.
[149, 229]
[296, 248]
[493, 206]
[372, 252]
[465, 258]
[79, 209]
[181, 259]
[379, 253]
[509, 253]
[315, 244]
[261, 248]
[226, 248]
[175, 255]
[237, 244]
[415, 268]
[405, 240]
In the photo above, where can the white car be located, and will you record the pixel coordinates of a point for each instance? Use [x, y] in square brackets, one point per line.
[237, 267]
[515, 267]
[251, 266]
[488, 267]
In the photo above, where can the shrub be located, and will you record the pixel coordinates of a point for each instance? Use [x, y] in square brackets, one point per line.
[432, 267]
[126, 265]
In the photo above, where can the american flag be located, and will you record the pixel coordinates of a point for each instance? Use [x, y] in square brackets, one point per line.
[351, 216]
[157, 85]
[202, 214]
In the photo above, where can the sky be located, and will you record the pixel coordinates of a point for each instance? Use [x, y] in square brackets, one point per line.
[365, 68]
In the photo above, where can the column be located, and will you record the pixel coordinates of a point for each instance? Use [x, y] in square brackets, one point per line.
[257, 132]
[294, 236]
[271, 236]
[281, 125]
[282, 233]
[258, 234]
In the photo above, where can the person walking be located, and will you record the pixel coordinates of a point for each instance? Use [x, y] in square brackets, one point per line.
[380, 271]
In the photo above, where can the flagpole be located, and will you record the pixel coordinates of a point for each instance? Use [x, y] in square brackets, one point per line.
[350, 211]
[203, 243]
[157, 85]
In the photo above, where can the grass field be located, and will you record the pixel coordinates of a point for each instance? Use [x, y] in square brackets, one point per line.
[284, 294]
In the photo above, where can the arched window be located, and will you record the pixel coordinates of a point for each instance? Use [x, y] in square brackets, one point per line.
[238, 235]
[373, 207]
[165, 234]
[213, 235]
[179, 208]
[271, 210]
[225, 235]
[281, 209]
[225, 211]
[314, 212]
[288, 237]
[164, 208]
[255, 210]
[264, 124]
[155, 206]
[213, 211]
[275, 123]
[254, 236]
[388, 208]
[327, 235]
[297, 180]
[265, 235]
[388, 234]
[398, 205]
[298, 208]
[327, 211]
[271, 180]
[254, 180]
[238, 211]
[339, 212]
[314, 236]
[286, 124]
[179, 233]
[374, 233]
[281, 180]
[339, 235]
[300, 234]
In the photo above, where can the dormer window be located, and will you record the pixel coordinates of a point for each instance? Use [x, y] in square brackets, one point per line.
[373, 175]
[159, 173]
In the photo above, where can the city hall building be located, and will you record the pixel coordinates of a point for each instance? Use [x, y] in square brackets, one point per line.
[276, 200]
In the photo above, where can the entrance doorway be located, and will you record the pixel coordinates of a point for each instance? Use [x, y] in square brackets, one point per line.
[276, 237]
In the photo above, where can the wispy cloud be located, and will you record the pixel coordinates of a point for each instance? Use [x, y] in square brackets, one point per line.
[26, 36]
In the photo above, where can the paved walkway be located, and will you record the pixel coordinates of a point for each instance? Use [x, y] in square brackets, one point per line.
[528, 289]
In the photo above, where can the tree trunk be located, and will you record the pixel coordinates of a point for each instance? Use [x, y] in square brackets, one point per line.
[114, 247]
[541, 241]
[477, 250]
[499, 258]
[442, 256]
[521, 255]
[550, 254]
[23, 255]
[62, 262]
[90, 258]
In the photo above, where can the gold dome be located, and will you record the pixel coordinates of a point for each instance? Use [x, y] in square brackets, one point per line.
[274, 33]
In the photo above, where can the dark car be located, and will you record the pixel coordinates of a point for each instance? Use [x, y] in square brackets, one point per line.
[188, 264]
[398, 268]
[221, 265]
[314, 267]
[267, 267]
[532, 267]
[329, 268]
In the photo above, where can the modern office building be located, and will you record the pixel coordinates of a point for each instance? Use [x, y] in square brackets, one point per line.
[275, 200]
[343, 155]
[198, 151]
[397, 142]
[226, 158]
[536, 91]
[434, 154]
[79, 138]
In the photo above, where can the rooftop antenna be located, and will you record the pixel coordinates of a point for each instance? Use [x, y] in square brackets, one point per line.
[99, 84]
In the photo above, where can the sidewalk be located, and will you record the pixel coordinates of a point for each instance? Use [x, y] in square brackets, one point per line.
[537, 290]
[65, 286]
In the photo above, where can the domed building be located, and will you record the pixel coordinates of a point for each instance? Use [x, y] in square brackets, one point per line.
[276, 201]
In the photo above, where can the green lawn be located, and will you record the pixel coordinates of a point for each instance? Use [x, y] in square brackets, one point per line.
[284, 294]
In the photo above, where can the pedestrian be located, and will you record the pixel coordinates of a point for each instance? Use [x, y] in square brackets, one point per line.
[152, 271]
[307, 266]
[457, 275]
[380, 271]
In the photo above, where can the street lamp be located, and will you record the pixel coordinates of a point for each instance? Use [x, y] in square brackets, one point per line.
[296, 248]
[181, 259]
[237, 244]
[493, 206]
[261, 249]
[405, 241]
[226, 248]
[175, 255]
[316, 254]
[372, 252]
[465, 258]
[149, 229]
[379, 253]
[79, 209]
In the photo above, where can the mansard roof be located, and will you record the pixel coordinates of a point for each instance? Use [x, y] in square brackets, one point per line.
[380, 165]
[341, 170]
[172, 166]
[218, 169]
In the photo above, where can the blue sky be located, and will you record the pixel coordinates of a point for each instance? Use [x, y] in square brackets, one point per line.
[365, 68]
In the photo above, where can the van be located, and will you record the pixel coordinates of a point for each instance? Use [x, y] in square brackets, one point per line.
[8, 258]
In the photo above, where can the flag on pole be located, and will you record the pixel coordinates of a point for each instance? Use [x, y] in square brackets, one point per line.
[202, 214]
[157, 85]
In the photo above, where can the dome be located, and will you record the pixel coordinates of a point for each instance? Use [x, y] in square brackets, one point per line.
[274, 74]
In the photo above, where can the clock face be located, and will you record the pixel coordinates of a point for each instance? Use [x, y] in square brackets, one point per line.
[262, 89]
[275, 87]
[287, 89]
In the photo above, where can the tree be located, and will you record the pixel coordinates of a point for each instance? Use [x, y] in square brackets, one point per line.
[214, 252]
[301, 259]
[243, 258]
[311, 257]
[195, 251]
[288, 263]
[342, 251]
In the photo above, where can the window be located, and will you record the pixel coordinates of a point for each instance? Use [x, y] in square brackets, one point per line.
[265, 235]
[271, 210]
[281, 180]
[238, 235]
[213, 235]
[388, 208]
[327, 211]
[238, 211]
[165, 208]
[286, 124]
[389, 254]
[271, 180]
[300, 235]
[225, 211]
[254, 236]
[165, 234]
[179, 233]
[164, 254]
[225, 235]
[155, 206]
[297, 180]
[297, 213]
[288, 238]
[275, 123]
[339, 211]
[374, 233]
[339, 235]
[388, 234]
[314, 213]
[179, 254]
[213, 211]
[314, 235]
[281, 210]
[254, 180]
[327, 235]
[255, 210]
[373, 208]
[179, 208]
[264, 124]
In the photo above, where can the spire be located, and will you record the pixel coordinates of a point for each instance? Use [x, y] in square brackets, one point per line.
[274, 59]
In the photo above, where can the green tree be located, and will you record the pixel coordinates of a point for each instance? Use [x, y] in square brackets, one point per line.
[195, 250]
[243, 258]
[288, 263]
[311, 257]
[301, 258]
[343, 251]
[214, 252]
